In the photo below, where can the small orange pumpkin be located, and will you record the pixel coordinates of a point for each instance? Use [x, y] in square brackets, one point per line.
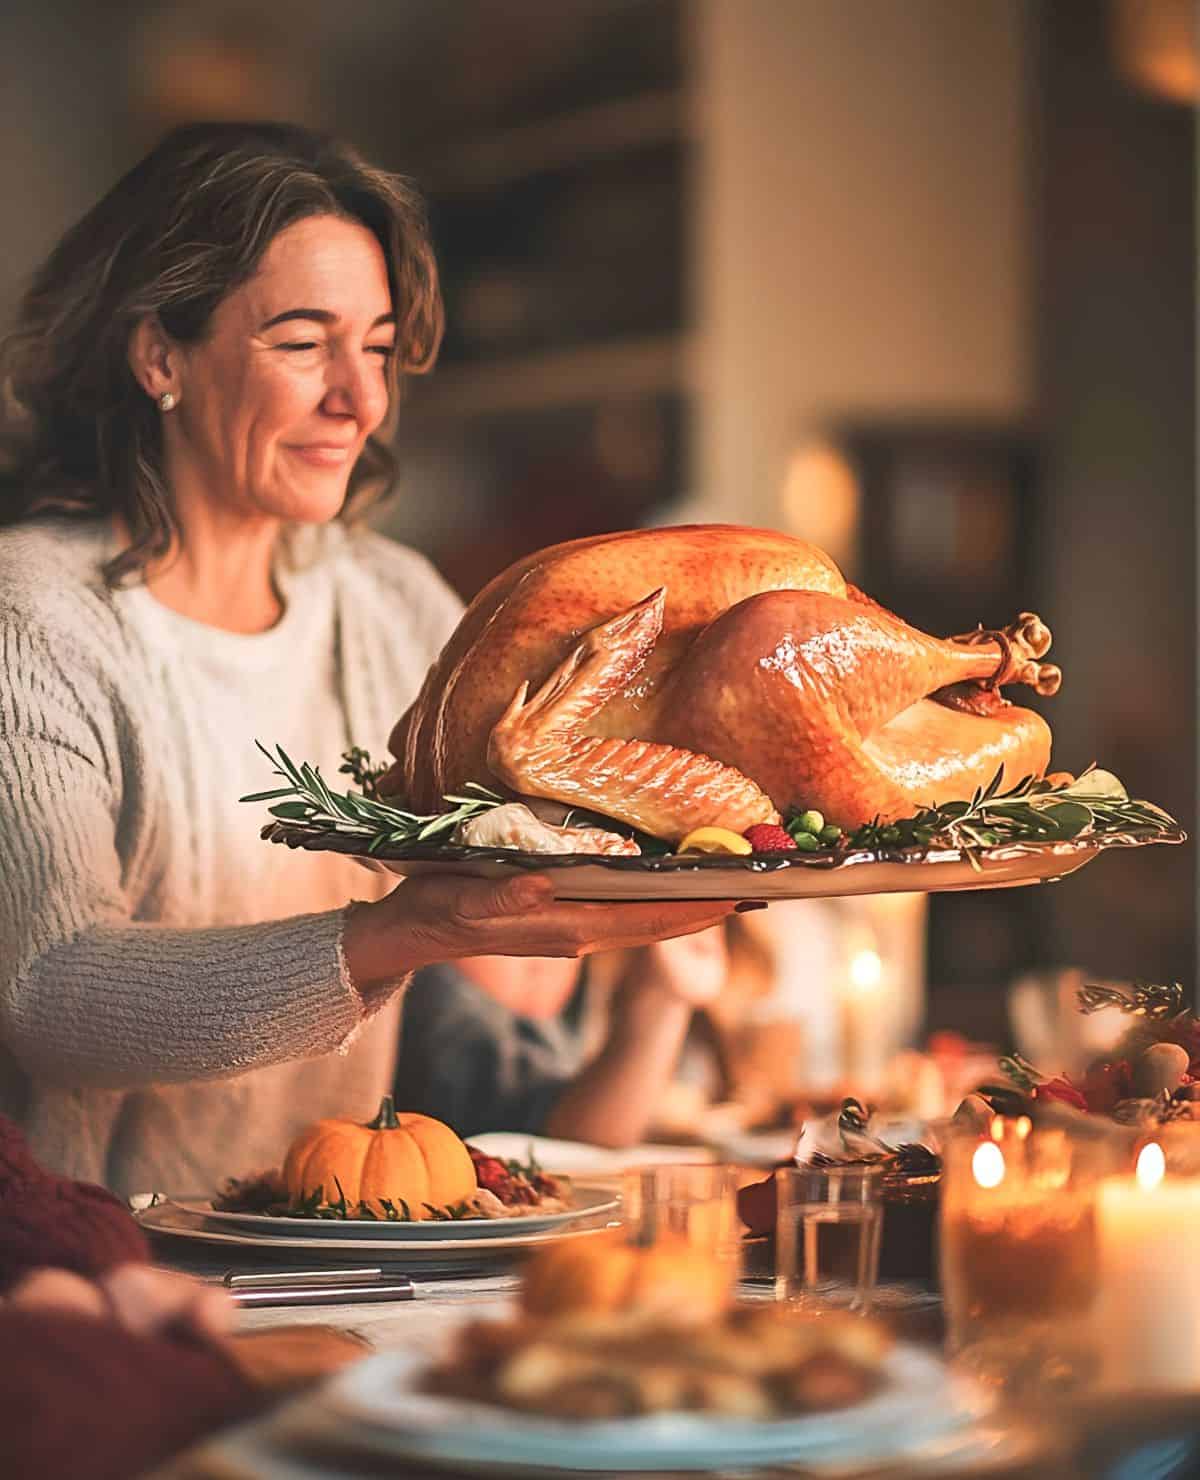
[605, 1272]
[408, 1160]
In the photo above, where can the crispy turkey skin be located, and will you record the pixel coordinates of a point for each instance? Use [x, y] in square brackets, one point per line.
[712, 674]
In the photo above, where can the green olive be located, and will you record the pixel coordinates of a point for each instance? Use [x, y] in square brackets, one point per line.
[806, 842]
[810, 822]
[830, 834]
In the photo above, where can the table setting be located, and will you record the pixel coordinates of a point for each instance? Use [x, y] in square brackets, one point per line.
[938, 1290]
[658, 1345]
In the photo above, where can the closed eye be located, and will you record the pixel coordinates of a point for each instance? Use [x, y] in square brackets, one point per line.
[298, 344]
[386, 350]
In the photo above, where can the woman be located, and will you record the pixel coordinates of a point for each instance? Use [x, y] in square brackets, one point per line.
[191, 398]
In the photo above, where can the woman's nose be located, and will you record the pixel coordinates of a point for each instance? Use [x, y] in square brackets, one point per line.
[356, 388]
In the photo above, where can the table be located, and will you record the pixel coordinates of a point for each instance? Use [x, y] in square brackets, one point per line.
[293, 1442]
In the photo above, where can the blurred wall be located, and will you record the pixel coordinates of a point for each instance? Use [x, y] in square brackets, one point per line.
[864, 237]
[1116, 548]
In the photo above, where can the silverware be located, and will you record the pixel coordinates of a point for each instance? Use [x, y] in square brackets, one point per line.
[324, 1294]
[271, 1279]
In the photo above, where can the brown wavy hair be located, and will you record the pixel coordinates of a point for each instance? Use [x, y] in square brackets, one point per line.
[173, 237]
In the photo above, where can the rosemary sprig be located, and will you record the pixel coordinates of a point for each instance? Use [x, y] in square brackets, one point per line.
[1032, 811]
[307, 799]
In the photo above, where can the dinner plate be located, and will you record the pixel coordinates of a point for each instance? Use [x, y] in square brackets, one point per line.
[586, 1202]
[760, 876]
[381, 1397]
[451, 1254]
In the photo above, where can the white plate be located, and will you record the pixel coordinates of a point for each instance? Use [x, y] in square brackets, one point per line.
[451, 1255]
[776, 876]
[587, 1202]
[381, 1397]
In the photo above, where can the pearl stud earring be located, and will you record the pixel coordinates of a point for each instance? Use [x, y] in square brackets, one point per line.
[166, 402]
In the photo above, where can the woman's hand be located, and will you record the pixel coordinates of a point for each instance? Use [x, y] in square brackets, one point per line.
[446, 918]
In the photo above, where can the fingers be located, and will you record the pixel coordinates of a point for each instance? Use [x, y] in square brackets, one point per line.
[59, 1290]
[146, 1300]
[611, 926]
[139, 1297]
[447, 918]
[498, 899]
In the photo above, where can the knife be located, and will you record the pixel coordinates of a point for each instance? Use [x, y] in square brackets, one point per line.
[323, 1294]
[273, 1279]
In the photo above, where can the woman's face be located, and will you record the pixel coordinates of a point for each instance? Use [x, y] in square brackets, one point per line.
[276, 402]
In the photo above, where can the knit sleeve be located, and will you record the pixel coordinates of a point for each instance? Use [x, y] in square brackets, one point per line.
[89, 997]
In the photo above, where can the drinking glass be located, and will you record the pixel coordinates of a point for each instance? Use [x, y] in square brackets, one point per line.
[695, 1202]
[828, 1226]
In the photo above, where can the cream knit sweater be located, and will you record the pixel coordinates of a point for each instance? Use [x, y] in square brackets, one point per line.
[173, 1000]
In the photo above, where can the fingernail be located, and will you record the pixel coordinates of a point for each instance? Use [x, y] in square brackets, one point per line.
[744, 905]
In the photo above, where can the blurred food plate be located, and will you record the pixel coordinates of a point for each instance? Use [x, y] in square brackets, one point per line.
[716, 876]
[382, 1399]
[586, 1202]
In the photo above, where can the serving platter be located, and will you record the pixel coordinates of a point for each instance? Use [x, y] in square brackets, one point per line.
[756, 876]
[392, 1416]
[586, 1202]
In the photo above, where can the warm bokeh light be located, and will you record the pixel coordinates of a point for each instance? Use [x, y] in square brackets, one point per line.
[820, 500]
[1151, 1166]
[987, 1165]
[866, 971]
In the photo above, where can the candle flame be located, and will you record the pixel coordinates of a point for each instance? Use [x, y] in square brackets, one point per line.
[997, 1128]
[866, 970]
[987, 1164]
[1151, 1165]
[1023, 1126]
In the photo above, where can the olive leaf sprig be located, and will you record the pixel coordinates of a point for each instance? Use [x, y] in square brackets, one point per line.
[1034, 810]
[306, 798]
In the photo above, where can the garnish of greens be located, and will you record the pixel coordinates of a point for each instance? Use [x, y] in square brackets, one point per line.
[1033, 811]
[317, 1206]
[308, 799]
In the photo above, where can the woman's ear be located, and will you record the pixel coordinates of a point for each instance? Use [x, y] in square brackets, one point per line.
[154, 359]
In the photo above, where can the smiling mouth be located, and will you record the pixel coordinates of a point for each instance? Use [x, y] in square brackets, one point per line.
[323, 454]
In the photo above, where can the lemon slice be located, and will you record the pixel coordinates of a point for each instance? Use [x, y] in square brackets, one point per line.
[714, 840]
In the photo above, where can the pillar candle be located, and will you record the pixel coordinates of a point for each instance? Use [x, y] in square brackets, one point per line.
[1148, 1307]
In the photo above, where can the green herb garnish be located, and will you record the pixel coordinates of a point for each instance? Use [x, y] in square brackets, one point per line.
[308, 799]
[1033, 811]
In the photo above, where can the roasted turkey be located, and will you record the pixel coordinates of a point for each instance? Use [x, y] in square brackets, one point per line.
[711, 674]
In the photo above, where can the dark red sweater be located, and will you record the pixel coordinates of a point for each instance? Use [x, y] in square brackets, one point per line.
[85, 1398]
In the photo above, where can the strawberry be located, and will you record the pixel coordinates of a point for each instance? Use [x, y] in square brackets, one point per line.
[766, 837]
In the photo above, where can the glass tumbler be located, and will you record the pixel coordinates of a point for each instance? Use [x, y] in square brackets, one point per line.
[828, 1227]
[695, 1203]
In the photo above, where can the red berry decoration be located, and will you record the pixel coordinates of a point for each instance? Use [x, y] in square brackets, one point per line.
[766, 837]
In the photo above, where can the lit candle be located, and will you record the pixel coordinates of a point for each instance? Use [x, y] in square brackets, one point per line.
[1017, 1240]
[862, 1032]
[1148, 1308]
